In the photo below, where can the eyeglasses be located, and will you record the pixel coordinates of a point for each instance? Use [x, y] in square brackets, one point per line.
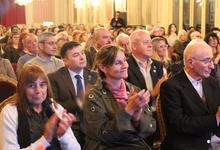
[162, 46]
[205, 61]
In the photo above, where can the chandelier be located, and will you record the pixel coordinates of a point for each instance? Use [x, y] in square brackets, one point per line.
[22, 2]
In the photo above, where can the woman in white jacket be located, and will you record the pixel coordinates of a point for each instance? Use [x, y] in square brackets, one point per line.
[29, 122]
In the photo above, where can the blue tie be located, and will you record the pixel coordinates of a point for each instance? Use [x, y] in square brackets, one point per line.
[79, 85]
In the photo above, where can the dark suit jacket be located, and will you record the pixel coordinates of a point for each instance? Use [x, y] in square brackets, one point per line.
[114, 22]
[135, 76]
[64, 90]
[189, 120]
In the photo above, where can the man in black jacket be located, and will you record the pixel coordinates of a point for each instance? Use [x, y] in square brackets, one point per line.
[117, 22]
[190, 103]
[144, 72]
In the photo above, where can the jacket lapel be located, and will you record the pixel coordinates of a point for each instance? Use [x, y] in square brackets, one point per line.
[88, 79]
[153, 73]
[136, 72]
[68, 82]
[190, 91]
[208, 91]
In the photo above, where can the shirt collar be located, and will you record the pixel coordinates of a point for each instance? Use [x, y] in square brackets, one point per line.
[140, 63]
[73, 74]
[44, 61]
[193, 81]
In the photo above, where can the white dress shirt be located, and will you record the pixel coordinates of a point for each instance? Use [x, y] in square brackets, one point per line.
[74, 80]
[198, 86]
[146, 72]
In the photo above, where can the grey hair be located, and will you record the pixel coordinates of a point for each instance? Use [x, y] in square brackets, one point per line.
[121, 35]
[97, 31]
[134, 35]
[29, 35]
[42, 37]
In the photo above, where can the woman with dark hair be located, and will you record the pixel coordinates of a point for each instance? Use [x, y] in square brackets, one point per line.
[12, 51]
[171, 34]
[212, 39]
[116, 113]
[38, 31]
[28, 121]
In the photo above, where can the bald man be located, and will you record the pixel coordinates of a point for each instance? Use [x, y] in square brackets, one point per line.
[190, 102]
[100, 37]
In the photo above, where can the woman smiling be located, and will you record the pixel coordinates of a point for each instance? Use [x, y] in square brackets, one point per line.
[116, 113]
[29, 122]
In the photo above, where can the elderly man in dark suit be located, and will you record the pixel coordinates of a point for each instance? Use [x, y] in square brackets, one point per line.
[70, 83]
[144, 72]
[190, 103]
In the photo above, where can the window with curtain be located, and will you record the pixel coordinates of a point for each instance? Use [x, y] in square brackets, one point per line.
[210, 15]
[176, 13]
[197, 14]
[186, 7]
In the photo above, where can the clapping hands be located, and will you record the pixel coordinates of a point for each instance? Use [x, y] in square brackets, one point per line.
[136, 102]
[57, 125]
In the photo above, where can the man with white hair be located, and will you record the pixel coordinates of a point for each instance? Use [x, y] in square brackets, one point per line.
[143, 71]
[190, 102]
[123, 40]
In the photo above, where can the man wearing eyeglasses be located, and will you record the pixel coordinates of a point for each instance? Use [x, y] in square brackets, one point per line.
[47, 44]
[190, 102]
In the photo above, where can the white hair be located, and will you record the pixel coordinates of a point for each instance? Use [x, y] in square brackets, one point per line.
[120, 36]
[134, 35]
[182, 31]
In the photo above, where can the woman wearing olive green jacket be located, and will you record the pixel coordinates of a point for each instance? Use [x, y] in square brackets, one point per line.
[116, 114]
